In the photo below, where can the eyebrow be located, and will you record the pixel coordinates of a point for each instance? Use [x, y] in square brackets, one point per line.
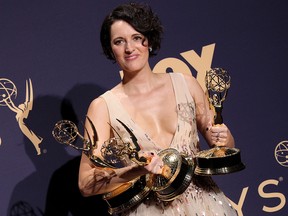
[120, 37]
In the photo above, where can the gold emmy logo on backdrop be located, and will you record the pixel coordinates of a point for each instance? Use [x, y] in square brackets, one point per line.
[8, 92]
[281, 153]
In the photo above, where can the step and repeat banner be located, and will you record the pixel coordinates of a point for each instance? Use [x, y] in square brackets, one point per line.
[52, 66]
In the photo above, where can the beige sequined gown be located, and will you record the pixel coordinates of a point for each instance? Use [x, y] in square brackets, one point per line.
[202, 197]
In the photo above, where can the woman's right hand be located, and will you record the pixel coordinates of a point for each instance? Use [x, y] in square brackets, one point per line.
[155, 163]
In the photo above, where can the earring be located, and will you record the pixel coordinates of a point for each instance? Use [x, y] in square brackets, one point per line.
[150, 49]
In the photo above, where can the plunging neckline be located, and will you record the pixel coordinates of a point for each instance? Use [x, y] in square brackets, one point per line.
[120, 105]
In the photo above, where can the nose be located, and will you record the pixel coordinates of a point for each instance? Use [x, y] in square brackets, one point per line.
[129, 47]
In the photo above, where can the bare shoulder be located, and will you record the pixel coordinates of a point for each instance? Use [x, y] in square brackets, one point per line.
[193, 84]
[97, 103]
[189, 78]
[99, 115]
[98, 109]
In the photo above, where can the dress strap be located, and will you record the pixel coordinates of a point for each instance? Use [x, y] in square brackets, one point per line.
[181, 90]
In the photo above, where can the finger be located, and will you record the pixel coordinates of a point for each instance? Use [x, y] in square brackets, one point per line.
[219, 131]
[209, 126]
[158, 169]
[219, 141]
[155, 166]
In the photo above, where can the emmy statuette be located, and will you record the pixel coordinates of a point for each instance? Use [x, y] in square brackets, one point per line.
[128, 194]
[118, 152]
[177, 172]
[218, 160]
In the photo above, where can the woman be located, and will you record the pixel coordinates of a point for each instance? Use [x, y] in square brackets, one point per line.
[163, 111]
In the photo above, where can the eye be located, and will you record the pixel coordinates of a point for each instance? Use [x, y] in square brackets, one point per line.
[118, 41]
[138, 38]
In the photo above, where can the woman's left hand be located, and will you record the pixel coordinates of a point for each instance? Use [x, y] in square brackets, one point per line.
[219, 135]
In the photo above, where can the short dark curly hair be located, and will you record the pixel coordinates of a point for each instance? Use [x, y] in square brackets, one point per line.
[141, 18]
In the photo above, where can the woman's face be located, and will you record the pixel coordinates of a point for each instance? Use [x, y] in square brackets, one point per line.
[128, 48]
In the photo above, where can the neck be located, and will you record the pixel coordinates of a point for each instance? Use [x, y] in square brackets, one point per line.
[138, 82]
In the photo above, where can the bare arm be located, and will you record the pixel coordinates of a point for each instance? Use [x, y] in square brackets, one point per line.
[95, 180]
[219, 135]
